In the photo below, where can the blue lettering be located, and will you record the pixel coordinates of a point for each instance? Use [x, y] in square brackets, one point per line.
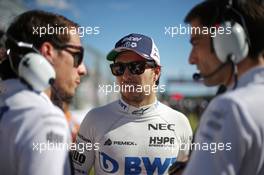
[132, 165]
[151, 167]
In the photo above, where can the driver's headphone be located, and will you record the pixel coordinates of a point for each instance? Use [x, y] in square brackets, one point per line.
[33, 68]
[233, 46]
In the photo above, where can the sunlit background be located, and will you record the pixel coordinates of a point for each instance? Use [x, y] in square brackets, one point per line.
[109, 20]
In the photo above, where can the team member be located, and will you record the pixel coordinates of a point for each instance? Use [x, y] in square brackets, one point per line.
[29, 121]
[135, 134]
[234, 120]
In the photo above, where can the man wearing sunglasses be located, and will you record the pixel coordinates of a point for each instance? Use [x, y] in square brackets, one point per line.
[136, 134]
[34, 133]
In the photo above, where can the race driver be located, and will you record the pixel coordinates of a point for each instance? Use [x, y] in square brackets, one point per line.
[135, 134]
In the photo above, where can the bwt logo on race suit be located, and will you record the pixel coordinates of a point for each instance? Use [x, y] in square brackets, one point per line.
[107, 164]
[133, 165]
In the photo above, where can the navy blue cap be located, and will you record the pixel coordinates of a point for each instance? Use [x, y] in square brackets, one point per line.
[141, 44]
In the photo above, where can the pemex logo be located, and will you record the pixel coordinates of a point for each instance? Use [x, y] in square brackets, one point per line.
[108, 142]
[107, 164]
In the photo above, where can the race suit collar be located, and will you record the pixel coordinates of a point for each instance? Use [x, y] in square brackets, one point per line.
[134, 111]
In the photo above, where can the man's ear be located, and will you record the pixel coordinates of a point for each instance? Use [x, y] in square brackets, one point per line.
[48, 51]
[157, 73]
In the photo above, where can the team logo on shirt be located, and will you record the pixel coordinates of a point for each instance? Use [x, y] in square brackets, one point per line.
[124, 106]
[78, 157]
[109, 142]
[107, 164]
[161, 126]
[136, 165]
[140, 111]
[53, 137]
[161, 141]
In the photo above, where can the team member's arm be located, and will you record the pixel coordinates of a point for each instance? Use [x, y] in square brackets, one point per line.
[184, 145]
[38, 148]
[185, 140]
[219, 144]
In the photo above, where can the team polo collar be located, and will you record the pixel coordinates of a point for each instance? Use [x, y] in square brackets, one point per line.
[132, 110]
[254, 75]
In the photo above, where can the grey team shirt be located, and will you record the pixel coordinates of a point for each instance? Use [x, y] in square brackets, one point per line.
[28, 119]
[236, 117]
[129, 140]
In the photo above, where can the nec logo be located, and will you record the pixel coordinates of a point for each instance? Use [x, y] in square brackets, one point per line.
[161, 126]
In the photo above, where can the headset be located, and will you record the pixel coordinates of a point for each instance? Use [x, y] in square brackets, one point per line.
[235, 45]
[229, 47]
[33, 68]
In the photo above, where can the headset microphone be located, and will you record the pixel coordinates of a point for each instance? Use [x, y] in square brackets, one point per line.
[198, 76]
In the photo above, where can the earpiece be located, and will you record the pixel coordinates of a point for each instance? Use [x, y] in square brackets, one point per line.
[233, 45]
[36, 71]
[33, 68]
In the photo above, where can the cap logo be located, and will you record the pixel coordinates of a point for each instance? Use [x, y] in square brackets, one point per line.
[136, 39]
[138, 43]
[130, 44]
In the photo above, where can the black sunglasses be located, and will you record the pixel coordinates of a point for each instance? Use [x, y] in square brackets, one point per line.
[77, 56]
[136, 67]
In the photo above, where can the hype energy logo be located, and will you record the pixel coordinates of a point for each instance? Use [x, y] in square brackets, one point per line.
[135, 165]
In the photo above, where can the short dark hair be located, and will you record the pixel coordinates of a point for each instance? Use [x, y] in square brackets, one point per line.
[211, 12]
[23, 29]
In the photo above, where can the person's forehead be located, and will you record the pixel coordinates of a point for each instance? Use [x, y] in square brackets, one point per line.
[74, 39]
[197, 30]
[196, 27]
[129, 56]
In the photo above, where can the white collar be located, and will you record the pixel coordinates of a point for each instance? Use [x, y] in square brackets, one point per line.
[46, 98]
[135, 111]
